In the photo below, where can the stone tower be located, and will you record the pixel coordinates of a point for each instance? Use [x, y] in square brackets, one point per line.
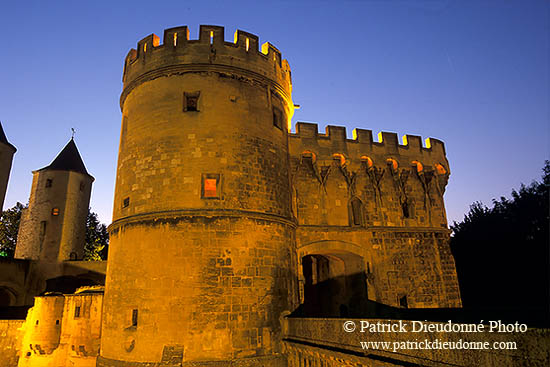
[202, 249]
[6, 157]
[53, 227]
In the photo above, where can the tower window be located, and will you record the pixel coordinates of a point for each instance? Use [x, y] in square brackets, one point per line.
[211, 186]
[134, 317]
[356, 212]
[77, 312]
[191, 101]
[408, 209]
[49, 182]
[82, 186]
[55, 212]
[43, 228]
[405, 208]
[126, 202]
[277, 118]
[403, 302]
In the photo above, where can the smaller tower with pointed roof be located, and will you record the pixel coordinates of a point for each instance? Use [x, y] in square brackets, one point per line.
[53, 228]
[6, 157]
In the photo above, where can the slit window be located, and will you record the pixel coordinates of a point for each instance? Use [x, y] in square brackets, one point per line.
[277, 118]
[134, 317]
[403, 302]
[126, 202]
[82, 186]
[43, 228]
[405, 207]
[77, 312]
[175, 39]
[211, 186]
[356, 212]
[191, 102]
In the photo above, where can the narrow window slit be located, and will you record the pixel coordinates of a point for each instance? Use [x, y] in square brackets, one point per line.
[134, 317]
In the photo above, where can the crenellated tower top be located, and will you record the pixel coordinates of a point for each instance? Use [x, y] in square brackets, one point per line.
[178, 54]
[363, 146]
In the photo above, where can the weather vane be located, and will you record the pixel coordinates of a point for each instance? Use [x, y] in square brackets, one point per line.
[73, 132]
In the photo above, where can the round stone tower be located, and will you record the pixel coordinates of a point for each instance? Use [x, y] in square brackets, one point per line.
[53, 227]
[6, 157]
[202, 246]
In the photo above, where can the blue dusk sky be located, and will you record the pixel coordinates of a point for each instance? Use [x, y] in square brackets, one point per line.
[471, 73]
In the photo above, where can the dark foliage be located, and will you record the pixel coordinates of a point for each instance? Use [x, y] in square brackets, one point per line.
[97, 239]
[9, 226]
[502, 253]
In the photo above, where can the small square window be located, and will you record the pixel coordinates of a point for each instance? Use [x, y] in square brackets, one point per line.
[211, 186]
[126, 202]
[55, 212]
[77, 312]
[191, 101]
[49, 182]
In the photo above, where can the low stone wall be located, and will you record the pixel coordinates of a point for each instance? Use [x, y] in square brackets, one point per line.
[314, 340]
[9, 330]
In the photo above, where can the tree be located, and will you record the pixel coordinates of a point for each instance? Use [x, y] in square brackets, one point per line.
[97, 239]
[502, 252]
[9, 227]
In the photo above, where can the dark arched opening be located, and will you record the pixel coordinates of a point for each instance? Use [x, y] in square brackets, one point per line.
[6, 297]
[334, 285]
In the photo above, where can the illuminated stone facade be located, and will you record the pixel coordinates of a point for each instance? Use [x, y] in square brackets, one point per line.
[224, 221]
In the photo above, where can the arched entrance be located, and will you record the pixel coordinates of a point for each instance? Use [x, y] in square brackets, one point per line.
[334, 281]
[7, 298]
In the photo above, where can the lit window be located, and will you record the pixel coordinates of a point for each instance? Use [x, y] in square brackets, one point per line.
[191, 102]
[210, 186]
[55, 212]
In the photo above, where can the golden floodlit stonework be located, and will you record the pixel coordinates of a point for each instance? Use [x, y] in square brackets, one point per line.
[236, 242]
[224, 220]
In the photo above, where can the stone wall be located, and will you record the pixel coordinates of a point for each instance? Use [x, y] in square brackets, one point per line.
[9, 342]
[323, 342]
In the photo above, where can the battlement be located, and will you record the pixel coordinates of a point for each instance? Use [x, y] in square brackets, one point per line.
[362, 146]
[179, 54]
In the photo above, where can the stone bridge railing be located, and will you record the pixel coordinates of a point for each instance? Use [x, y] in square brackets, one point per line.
[315, 342]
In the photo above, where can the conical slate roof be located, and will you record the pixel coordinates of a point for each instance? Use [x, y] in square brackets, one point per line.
[3, 138]
[68, 160]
